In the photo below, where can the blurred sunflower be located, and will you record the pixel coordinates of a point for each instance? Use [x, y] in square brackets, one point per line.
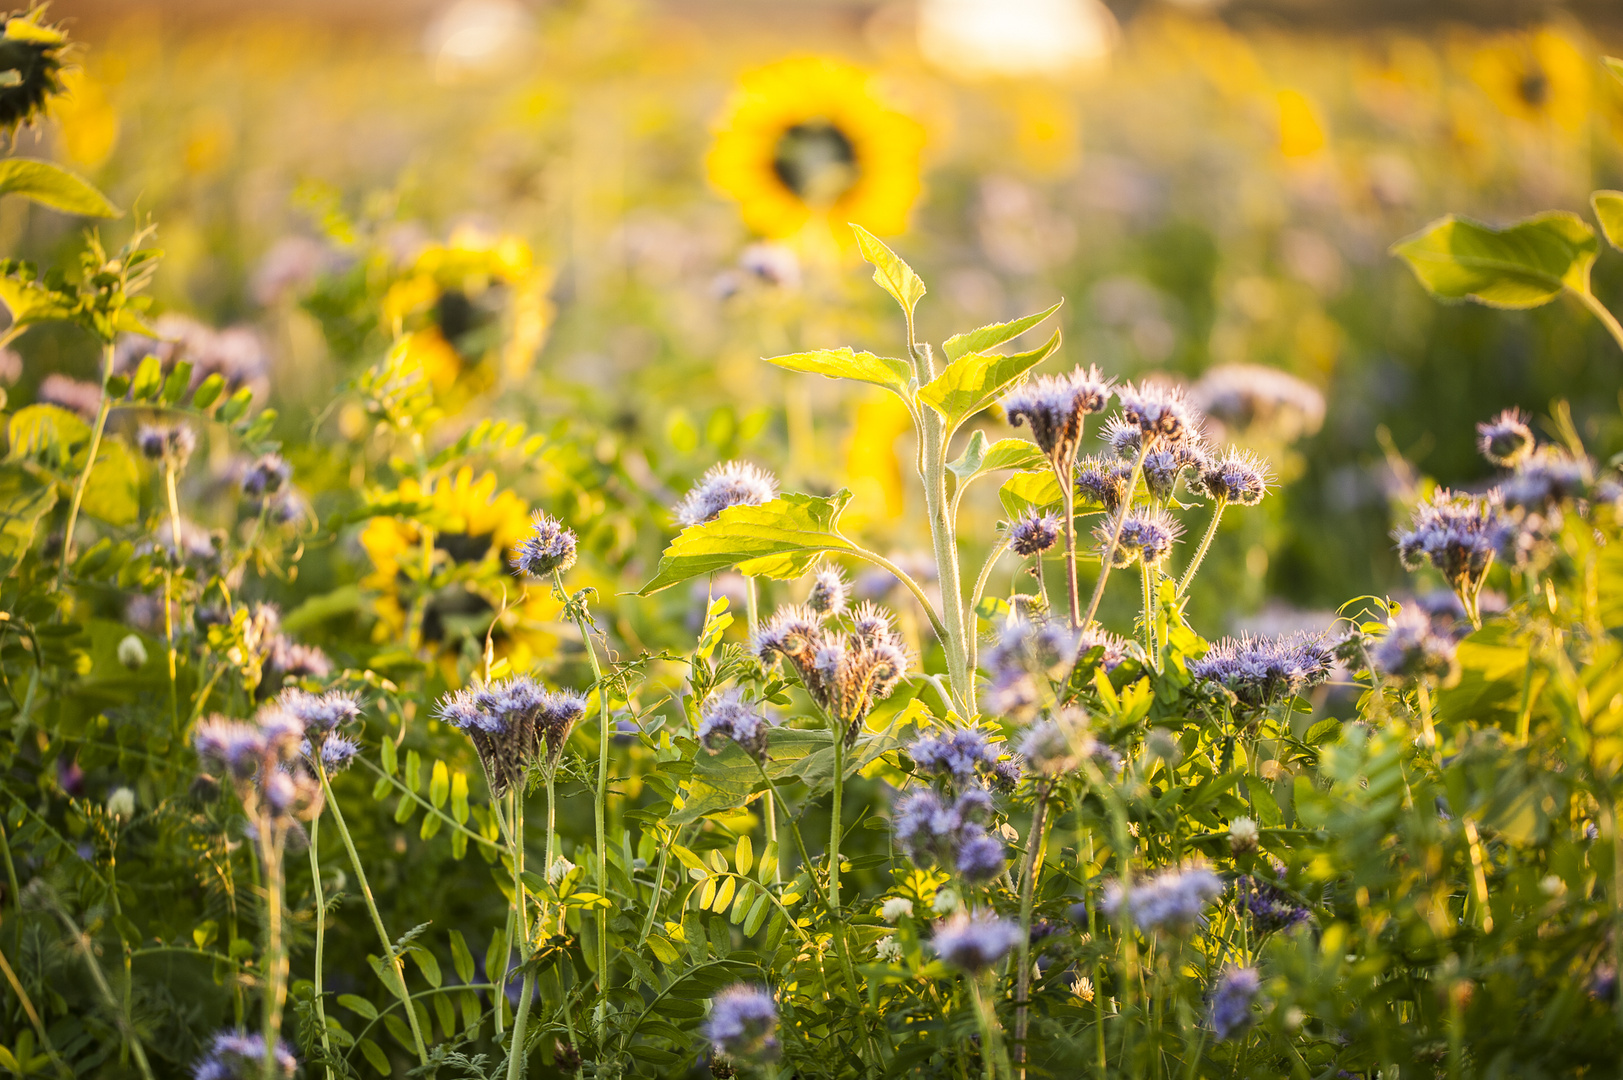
[31, 59]
[810, 138]
[476, 309]
[1540, 77]
[470, 528]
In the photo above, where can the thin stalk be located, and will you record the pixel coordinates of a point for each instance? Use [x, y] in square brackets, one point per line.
[1067, 490]
[521, 1019]
[979, 591]
[83, 479]
[1205, 545]
[321, 934]
[1035, 843]
[1607, 319]
[1144, 572]
[81, 940]
[372, 909]
[993, 1058]
[1108, 556]
[33, 1017]
[600, 800]
[169, 587]
[834, 838]
[275, 997]
[11, 868]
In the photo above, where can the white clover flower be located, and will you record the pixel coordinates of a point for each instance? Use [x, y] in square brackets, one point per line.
[558, 870]
[895, 908]
[121, 803]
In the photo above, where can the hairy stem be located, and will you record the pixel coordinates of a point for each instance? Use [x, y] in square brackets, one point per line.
[1067, 490]
[1601, 312]
[1108, 555]
[372, 909]
[1205, 545]
[275, 998]
[1036, 841]
[1144, 572]
[83, 479]
[521, 925]
[979, 591]
[321, 935]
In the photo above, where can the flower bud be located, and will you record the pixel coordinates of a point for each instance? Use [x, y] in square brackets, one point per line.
[132, 653]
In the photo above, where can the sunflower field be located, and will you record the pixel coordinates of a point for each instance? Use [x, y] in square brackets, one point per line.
[958, 538]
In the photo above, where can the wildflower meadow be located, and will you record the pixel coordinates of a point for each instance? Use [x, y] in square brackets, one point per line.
[634, 541]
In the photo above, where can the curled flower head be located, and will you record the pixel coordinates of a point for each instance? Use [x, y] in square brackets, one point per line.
[170, 443]
[980, 857]
[1103, 481]
[727, 717]
[1055, 745]
[1239, 477]
[1165, 466]
[1161, 413]
[830, 592]
[1112, 648]
[743, 1022]
[1260, 671]
[549, 548]
[731, 483]
[1231, 1001]
[1257, 400]
[266, 476]
[233, 1055]
[1173, 900]
[1506, 440]
[1122, 438]
[845, 672]
[973, 943]
[1054, 405]
[512, 723]
[1412, 648]
[1034, 533]
[556, 715]
[793, 633]
[1145, 534]
[1458, 534]
[1024, 652]
[872, 625]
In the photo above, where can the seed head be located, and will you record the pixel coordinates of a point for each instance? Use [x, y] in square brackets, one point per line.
[549, 548]
[1506, 440]
[1034, 533]
[731, 483]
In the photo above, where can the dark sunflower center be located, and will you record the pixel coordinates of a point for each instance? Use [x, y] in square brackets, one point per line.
[455, 613]
[816, 161]
[1534, 88]
[464, 547]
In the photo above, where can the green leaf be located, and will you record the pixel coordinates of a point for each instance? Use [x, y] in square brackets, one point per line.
[1521, 266]
[148, 378]
[53, 186]
[48, 435]
[978, 458]
[359, 1006]
[376, 1057]
[113, 493]
[461, 958]
[496, 955]
[889, 271]
[1028, 491]
[174, 387]
[31, 303]
[439, 785]
[208, 391]
[236, 405]
[429, 965]
[887, 371]
[778, 539]
[1608, 207]
[973, 381]
[662, 949]
[990, 337]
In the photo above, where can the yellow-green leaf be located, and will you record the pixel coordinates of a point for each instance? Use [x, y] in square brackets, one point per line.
[990, 337]
[757, 915]
[148, 378]
[53, 186]
[778, 539]
[746, 893]
[376, 1057]
[886, 371]
[724, 895]
[1608, 206]
[889, 271]
[1026, 491]
[663, 950]
[979, 458]
[744, 855]
[707, 892]
[208, 391]
[461, 958]
[439, 784]
[974, 380]
[1520, 266]
[459, 797]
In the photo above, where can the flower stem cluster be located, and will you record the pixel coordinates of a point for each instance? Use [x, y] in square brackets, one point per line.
[514, 723]
[1261, 671]
[846, 663]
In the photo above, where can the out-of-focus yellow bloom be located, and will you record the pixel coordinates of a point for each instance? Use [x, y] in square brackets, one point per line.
[1301, 134]
[1540, 77]
[810, 138]
[456, 293]
[89, 123]
[1207, 45]
[467, 522]
[1047, 130]
[871, 468]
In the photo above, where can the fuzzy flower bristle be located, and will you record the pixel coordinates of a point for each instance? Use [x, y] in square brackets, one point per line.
[1260, 671]
[1161, 413]
[1412, 647]
[1458, 534]
[845, 672]
[973, 943]
[1145, 534]
[743, 1023]
[727, 717]
[1034, 533]
[1231, 1001]
[1239, 477]
[1121, 437]
[1254, 399]
[549, 548]
[1053, 407]
[513, 724]
[830, 592]
[1103, 481]
[234, 1055]
[1506, 440]
[731, 483]
[1173, 900]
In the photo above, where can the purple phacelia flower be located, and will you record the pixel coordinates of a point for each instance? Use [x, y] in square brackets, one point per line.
[1506, 440]
[1239, 477]
[980, 857]
[727, 717]
[1034, 533]
[830, 592]
[1143, 534]
[548, 549]
[1267, 903]
[1165, 466]
[1544, 480]
[1260, 671]
[233, 1055]
[266, 476]
[1173, 900]
[743, 1022]
[973, 943]
[1231, 1001]
[1161, 413]
[1412, 648]
[1054, 405]
[731, 483]
[170, 443]
[1458, 534]
[961, 755]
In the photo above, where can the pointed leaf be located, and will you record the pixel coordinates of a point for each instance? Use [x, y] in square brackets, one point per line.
[979, 458]
[148, 378]
[990, 337]
[1608, 206]
[744, 855]
[30, 303]
[975, 380]
[461, 957]
[889, 271]
[1028, 491]
[53, 186]
[776, 539]
[843, 363]
[208, 391]
[1521, 266]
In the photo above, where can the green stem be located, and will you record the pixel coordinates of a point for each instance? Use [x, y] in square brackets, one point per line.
[1144, 572]
[521, 1019]
[1600, 311]
[83, 479]
[321, 935]
[933, 437]
[1036, 841]
[1108, 555]
[372, 909]
[168, 591]
[1067, 490]
[1205, 544]
[275, 998]
[81, 940]
[993, 1058]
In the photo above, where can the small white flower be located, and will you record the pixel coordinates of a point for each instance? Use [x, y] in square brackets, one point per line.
[558, 870]
[1083, 988]
[895, 908]
[888, 948]
[946, 902]
[131, 652]
[1243, 836]
[121, 803]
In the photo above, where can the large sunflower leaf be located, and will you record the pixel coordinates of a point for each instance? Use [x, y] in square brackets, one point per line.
[1608, 207]
[990, 337]
[974, 380]
[778, 539]
[889, 271]
[1027, 491]
[53, 186]
[1520, 266]
[980, 458]
[886, 371]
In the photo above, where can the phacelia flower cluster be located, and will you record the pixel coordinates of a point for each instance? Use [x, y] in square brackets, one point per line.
[1269, 906]
[1025, 652]
[1506, 440]
[1113, 648]
[936, 831]
[1034, 533]
[322, 715]
[1231, 1001]
[1146, 534]
[1058, 744]
[1413, 648]
[743, 1023]
[1459, 534]
[974, 942]
[170, 443]
[1251, 398]
[1545, 479]
[964, 756]
[1239, 477]
[1103, 481]
[548, 549]
[233, 1055]
[844, 670]
[267, 475]
[727, 717]
[830, 592]
[1054, 405]
[1260, 671]
[1162, 414]
[1173, 900]
[1165, 466]
[257, 757]
[731, 483]
[513, 723]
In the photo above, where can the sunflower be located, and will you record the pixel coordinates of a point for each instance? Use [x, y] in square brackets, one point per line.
[459, 584]
[809, 138]
[1540, 77]
[31, 61]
